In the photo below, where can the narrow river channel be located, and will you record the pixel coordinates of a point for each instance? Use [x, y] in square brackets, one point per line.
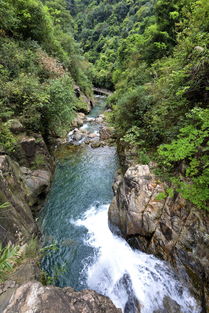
[88, 254]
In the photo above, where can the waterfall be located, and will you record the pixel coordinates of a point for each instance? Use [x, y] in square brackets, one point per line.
[130, 278]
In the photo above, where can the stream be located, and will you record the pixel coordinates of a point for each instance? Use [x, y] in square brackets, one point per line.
[88, 255]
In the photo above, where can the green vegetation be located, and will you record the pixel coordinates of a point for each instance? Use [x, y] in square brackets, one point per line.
[12, 256]
[8, 259]
[40, 63]
[155, 54]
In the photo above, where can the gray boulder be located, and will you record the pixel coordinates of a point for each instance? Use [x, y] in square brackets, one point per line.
[169, 227]
[33, 297]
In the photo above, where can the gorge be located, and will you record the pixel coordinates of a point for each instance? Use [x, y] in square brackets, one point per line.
[75, 217]
[104, 164]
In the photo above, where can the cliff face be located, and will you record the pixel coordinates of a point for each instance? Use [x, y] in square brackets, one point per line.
[171, 228]
[25, 178]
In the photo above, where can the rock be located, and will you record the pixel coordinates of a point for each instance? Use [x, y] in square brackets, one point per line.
[26, 272]
[78, 121]
[38, 183]
[99, 119]
[170, 228]
[77, 136]
[77, 91]
[31, 151]
[34, 297]
[29, 146]
[15, 126]
[5, 298]
[199, 48]
[98, 144]
[90, 119]
[170, 306]
[105, 132]
[89, 104]
[16, 220]
[92, 135]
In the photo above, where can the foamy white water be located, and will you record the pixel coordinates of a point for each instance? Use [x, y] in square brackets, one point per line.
[124, 274]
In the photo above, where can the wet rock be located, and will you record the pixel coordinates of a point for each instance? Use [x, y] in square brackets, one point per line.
[15, 126]
[170, 228]
[170, 306]
[33, 297]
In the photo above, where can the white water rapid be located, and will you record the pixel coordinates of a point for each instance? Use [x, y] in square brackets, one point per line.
[126, 275]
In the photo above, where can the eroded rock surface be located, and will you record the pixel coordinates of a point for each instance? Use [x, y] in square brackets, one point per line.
[22, 189]
[171, 228]
[33, 297]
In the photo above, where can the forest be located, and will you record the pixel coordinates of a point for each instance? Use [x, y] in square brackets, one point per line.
[40, 63]
[60, 168]
[153, 54]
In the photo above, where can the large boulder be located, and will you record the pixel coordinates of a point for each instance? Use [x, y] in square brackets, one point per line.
[31, 151]
[15, 126]
[78, 120]
[38, 183]
[168, 227]
[27, 271]
[34, 297]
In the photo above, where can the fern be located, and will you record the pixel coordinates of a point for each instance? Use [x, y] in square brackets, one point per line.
[9, 257]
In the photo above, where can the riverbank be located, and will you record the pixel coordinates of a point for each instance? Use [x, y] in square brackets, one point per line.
[87, 254]
[29, 271]
[168, 227]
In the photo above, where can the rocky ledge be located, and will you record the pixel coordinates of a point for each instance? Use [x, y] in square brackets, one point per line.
[171, 228]
[34, 297]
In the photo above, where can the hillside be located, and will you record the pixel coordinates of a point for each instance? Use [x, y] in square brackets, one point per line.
[40, 63]
[155, 55]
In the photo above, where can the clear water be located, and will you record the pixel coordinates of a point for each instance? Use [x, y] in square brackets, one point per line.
[89, 255]
[82, 178]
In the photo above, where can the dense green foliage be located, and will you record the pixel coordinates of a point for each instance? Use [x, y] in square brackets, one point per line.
[156, 55]
[40, 62]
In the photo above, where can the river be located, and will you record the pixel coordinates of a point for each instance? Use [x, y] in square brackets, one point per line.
[88, 255]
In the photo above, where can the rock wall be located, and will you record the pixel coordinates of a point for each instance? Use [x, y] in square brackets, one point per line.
[34, 297]
[25, 178]
[20, 188]
[171, 228]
